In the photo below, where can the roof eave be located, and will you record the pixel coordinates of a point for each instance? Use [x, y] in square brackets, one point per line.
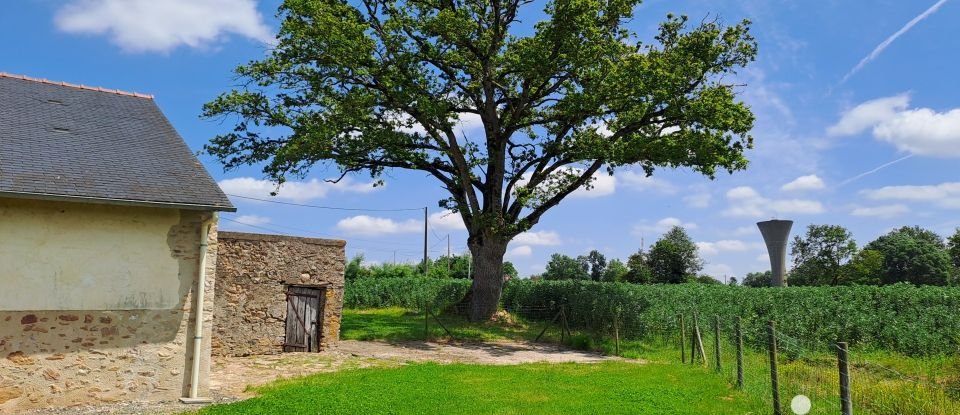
[116, 202]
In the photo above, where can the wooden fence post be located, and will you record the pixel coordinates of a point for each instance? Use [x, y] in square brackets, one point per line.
[846, 404]
[699, 339]
[683, 340]
[774, 381]
[616, 333]
[548, 326]
[739, 330]
[716, 341]
[426, 322]
[693, 342]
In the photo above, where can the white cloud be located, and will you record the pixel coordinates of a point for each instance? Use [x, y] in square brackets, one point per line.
[466, 122]
[252, 220]
[946, 195]
[809, 182]
[537, 238]
[161, 26]
[726, 245]
[883, 212]
[747, 202]
[447, 220]
[868, 114]
[918, 131]
[661, 226]
[292, 190]
[698, 200]
[742, 193]
[370, 225]
[602, 184]
[745, 230]
[642, 182]
[520, 251]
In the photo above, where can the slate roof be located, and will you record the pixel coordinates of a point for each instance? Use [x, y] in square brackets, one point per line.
[61, 141]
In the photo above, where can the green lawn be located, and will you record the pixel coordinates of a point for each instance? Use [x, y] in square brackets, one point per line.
[662, 385]
[398, 324]
[607, 388]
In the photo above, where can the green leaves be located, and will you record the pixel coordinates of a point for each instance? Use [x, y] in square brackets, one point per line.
[674, 258]
[375, 85]
[919, 321]
[819, 256]
[914, 255]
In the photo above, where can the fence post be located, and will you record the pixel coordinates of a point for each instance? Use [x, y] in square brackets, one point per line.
[716, 341]
[426, 322]
[846, 404]
[698, 339]
[774, 383]
[693, 342]
[616, 333]
[739, 354]
[683, 340]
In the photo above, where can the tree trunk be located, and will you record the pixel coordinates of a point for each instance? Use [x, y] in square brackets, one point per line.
[487, 277]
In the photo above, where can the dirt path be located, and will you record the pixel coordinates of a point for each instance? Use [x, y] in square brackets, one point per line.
[231, 376]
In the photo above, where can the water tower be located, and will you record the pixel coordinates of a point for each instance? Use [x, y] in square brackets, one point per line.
[775, 234]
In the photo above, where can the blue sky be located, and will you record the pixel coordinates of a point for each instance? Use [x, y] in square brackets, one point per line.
[840, 89]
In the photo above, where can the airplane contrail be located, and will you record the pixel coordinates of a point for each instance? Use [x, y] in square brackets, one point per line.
[873, 170]
[883, 45]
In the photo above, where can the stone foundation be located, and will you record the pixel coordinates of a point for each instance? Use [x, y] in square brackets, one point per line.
[253, 272]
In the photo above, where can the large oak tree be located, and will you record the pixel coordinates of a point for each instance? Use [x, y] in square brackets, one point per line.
[372, 85]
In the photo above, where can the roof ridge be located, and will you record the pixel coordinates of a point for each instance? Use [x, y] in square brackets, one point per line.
[78, 86]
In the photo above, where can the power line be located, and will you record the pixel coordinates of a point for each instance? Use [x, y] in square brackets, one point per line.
[350, 246]
[325, 207]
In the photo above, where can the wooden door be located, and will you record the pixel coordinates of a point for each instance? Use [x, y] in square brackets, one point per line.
[304, 319]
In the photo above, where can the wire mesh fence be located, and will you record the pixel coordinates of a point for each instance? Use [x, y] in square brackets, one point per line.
[810, 376]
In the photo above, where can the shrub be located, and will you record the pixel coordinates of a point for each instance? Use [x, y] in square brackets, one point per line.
[587, 304]
[902, 318]
[413, 293]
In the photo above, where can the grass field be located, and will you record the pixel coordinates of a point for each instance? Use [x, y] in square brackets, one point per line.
[610, 388]
[882, 383]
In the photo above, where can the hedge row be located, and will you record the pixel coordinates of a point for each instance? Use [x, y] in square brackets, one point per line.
[902, 318]
[412, 293]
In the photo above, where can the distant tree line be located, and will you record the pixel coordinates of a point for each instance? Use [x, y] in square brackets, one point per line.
[672, 259]
[828, 255]
[455, 266]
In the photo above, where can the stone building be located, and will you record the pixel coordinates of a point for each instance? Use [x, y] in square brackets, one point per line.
[107, 246]
[277, 293]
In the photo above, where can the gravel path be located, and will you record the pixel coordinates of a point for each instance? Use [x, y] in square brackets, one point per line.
[232, 375]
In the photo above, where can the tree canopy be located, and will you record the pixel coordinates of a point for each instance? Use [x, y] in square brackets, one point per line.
[674, 258]
[818, 257]
[373, 85]
[915, 255]
[562, 267]
[758, 279]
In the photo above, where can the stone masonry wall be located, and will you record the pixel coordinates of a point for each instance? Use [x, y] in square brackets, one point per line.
[65, 358]
[253, 271]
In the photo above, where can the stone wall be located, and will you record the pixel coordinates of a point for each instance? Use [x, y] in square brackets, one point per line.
[53, 358]
[253, 271]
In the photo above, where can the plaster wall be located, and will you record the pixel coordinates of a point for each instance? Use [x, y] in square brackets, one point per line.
[59, 256]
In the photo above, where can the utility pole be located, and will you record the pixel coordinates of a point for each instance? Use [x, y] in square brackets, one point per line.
[426, 265]
[448, 254]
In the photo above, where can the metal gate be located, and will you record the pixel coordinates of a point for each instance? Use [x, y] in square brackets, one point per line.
[304, 318]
